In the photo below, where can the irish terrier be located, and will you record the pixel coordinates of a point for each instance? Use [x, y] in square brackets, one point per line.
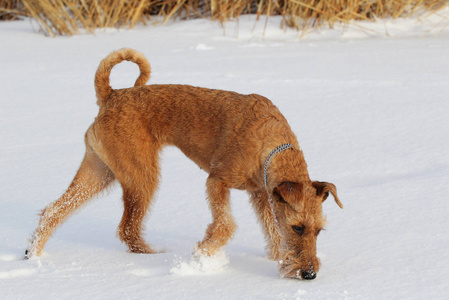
[242, 141]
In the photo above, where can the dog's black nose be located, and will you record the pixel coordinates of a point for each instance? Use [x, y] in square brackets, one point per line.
[308, 275]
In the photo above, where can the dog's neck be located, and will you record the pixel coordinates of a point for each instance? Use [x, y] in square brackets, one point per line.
[277, 150]
[301, 177]
[286, 166]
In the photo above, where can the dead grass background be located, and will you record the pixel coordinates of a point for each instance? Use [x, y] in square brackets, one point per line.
[67, 17]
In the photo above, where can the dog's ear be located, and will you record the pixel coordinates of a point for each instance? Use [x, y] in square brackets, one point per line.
[323, 189]
[287, 191]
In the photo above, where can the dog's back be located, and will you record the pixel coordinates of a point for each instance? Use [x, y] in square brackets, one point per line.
[205, 124]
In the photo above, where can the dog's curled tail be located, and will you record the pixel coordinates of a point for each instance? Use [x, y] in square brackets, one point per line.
[102, 85]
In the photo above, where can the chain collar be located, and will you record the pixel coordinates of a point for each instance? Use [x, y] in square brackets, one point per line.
[267, 162]
[265, 176]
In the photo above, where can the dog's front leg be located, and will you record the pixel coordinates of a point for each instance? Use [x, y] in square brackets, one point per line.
[223, 226]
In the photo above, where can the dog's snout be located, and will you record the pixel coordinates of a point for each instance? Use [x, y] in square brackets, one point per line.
[308, 275]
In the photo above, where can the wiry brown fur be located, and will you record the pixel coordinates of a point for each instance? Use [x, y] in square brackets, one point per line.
[227, 134]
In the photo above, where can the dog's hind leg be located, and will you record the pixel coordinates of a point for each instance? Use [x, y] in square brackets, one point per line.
[136, 205]
[223, 226]
[139, 180]
[262, 207]
[92, 177]
[132, 154]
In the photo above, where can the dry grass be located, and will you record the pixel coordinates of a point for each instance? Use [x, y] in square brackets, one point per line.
[304, 14]
[11, 9]
[65, 17]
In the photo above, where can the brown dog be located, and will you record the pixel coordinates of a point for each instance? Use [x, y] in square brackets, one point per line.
[242, 141]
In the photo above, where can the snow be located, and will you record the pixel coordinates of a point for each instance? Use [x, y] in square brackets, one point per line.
[199, 265]
[369, 104]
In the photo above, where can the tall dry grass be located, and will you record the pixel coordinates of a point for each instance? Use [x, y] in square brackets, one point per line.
[66, 17]
[11, 9]
[303, 14]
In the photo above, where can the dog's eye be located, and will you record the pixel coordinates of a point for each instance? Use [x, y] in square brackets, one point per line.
[298, 229]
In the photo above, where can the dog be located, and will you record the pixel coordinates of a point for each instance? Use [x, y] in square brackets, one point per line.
[242, 142]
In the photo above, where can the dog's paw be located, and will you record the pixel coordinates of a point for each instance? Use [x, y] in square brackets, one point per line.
[203, 249]
[30, 253]
[143, 249]
[200, 251]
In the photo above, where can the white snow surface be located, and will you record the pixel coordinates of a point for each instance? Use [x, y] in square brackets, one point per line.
[368, 102]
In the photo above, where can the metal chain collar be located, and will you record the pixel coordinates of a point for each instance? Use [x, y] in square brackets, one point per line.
[267, 162]
[265, 177]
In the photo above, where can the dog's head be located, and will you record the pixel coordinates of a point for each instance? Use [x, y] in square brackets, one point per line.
[298, 210]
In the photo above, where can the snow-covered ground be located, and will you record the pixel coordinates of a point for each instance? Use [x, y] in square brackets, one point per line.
[370, 107]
